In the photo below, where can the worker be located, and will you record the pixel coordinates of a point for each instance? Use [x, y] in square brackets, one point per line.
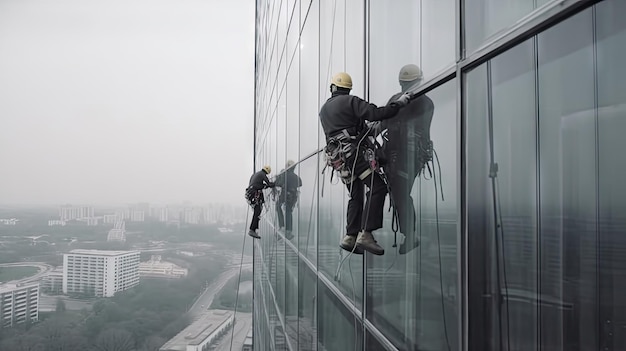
[255, 197]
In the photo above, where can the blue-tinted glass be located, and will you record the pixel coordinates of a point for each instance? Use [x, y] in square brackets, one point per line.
[309, 77]
[307, 310]
[412, 290]
[307, 209]
[507, 260]
[567, 170]
[611, 74]
[337, 329]
[484, 18]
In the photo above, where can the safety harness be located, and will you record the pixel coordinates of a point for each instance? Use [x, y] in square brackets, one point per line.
[339, 149]
[253, 196]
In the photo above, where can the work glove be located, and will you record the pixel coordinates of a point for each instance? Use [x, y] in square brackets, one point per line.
[403, 100]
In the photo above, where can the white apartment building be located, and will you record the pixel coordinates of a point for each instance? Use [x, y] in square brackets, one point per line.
[100, 272]
[156, 268]
[112, 218]
[18, 303]
[118, 233]
[70, 212]
[55, 222]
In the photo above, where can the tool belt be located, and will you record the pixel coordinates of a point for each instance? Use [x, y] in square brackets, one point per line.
[253, 196]
[338, 150]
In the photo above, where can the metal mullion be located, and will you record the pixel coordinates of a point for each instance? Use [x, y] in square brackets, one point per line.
[462, 229]
[543, 17]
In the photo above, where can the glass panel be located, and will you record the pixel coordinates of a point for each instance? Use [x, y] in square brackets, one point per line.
[438, 38]
[309, 74]
[484, 18]
[335, 57]
[291, 306]
[371, 343]
[425, 36]
[611, 74]
[307, 310]
[482, 320]
[337, 328]
[510, 259]
[392, 19]
[567, 185]
[412, 291]
[307, 207]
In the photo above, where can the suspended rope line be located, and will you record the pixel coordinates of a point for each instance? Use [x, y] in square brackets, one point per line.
[243, 247]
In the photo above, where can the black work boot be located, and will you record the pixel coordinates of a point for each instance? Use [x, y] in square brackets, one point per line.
[253, 234]
[348, 243]
[366, 241]
[410, 242]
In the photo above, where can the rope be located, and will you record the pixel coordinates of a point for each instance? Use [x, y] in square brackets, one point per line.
[243, 247]
[443, 306]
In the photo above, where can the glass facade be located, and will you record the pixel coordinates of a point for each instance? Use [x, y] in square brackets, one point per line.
[520, 225]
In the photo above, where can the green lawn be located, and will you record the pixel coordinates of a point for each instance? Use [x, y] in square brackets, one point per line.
[12, 273]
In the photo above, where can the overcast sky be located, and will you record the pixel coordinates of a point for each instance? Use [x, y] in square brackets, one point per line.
[118, 101]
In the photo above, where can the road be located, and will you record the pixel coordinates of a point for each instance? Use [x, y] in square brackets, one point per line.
[243, 324]
[42, 266]
[204, 301]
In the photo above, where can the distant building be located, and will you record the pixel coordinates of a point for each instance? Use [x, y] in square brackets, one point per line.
[90, 221]
[118, 233]
[247, 344]
[161, 269]
[10, 221]
[69, 213]
[99, 272]
[52, 282]
[200, 334]
[137, 216]
[55, 222]
[108, 219]
[18, 303]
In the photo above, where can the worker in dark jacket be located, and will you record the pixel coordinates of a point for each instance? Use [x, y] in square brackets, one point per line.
[343, 118]
[288, 182]
[408, 149]
[254, 195]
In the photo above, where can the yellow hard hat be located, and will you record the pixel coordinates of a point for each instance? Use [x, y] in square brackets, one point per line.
[267, 169]
[289, 164]
[342, 80]
[410, 73]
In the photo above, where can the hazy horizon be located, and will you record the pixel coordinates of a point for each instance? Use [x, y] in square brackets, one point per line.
[121, 102]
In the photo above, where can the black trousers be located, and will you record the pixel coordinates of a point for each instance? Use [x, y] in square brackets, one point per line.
[370, 217]
[258, 207]
[286, 219]
[401, 184]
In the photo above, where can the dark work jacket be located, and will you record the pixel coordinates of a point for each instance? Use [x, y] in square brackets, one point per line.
[409, 133]
[344, 111]
[288, 180]
[259, 181]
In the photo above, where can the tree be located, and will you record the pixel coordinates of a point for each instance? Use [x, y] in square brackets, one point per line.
[153, 343]
[115, 340]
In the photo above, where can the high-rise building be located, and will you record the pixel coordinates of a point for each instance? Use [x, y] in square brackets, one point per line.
[118, 233]
[18, 303]
[520, 217]
[68, 213]
[99, 272]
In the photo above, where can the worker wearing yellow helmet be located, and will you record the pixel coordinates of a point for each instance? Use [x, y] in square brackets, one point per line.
[343, 118]
[254, 195]
[412, 127]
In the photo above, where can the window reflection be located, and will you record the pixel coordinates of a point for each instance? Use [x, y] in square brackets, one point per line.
[485, 18]
[412, 290]
[611, 73]
[561, 268]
